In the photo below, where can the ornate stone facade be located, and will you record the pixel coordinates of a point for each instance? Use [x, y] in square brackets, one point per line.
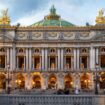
[52, 57]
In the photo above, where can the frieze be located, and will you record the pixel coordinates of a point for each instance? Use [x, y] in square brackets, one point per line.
[22, 35]
[87, 35]
[53, 35]
[37, 35]
[68, 35]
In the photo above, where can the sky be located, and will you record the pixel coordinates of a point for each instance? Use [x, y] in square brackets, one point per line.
[27, 12]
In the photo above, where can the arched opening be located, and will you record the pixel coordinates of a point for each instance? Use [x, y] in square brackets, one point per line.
[68, 82]
[20, 81]
[2, 81]
[85, 81]
[36, 82]
[52, 82]
[102, 80]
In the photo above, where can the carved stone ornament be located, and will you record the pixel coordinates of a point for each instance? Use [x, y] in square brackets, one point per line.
[53, 34]
[36, 34]
[68, 34]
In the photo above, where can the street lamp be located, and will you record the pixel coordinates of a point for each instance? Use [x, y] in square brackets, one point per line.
[8, 80]
[96, 79]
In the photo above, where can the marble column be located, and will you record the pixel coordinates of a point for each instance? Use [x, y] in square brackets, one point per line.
[11, 58]
[75, 58]
[92, 58]
[78, 60]
[62, 59]
[30, 59]
[27, 57]
[43, 59]
[97, 55]
[59, 59]
[14, 57]
[8, 56]
[46, 59]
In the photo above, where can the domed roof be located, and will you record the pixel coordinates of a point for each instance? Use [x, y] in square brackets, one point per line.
[52, 20]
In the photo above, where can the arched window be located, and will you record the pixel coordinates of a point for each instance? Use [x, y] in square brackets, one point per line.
[68, 81]
[36, 81]
[37, 50]
[52, 82]
[103, 49]
[52, 50]
[84, 50]
[20, 50]
[2, 50]
[68, 50]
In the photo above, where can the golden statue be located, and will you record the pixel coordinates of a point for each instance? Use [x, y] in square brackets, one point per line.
[5, 20]
[100, 13]
[100, 19]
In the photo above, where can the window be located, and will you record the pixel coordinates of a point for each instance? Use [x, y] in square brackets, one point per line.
[21, 62]
[68, 62]
[36, 50]
[84, 50]
[2, 50]
[37, 62]
[52, 62]
[52, 51]
[2, 61]
[103, 61]
[84, 61]
[21, 50]
[68, 50]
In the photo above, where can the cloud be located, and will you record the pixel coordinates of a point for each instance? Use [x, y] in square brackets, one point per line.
[28, 12]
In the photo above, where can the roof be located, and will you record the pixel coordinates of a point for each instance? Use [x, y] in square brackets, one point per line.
[52, 20]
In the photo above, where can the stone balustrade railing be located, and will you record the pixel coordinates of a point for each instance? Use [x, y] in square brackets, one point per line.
[52, 99]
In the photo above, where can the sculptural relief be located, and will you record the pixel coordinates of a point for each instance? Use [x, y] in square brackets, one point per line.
[37, 35]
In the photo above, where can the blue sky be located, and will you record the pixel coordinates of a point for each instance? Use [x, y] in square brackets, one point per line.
[28, 12]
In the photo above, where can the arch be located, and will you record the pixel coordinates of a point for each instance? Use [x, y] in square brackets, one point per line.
[2, 81]
[85, 81]
[37, 50]
[84, 50]
[36, 82]
[2, 50]
[68, 81]
[103, 49]
[20, 81]
[52, 50]
[21, 50]
[52, 82]
[68, 50]
[102, 80]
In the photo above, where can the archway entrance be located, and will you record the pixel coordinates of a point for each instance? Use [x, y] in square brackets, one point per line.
[36, 82]
[2, 81]
[20, 81]
[85, 81]
[68, 82]
[52, 82]
[102, 80]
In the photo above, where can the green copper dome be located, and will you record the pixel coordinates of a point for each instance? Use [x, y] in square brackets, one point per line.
[52, 20]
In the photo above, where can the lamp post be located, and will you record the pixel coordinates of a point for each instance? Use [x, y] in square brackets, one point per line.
[8, 80]
[96, 79]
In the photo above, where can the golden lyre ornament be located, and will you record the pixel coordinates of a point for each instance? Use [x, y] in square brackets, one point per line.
[100, 19]
[5, 19]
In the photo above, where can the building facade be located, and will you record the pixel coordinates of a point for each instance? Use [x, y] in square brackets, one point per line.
[52, 54]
